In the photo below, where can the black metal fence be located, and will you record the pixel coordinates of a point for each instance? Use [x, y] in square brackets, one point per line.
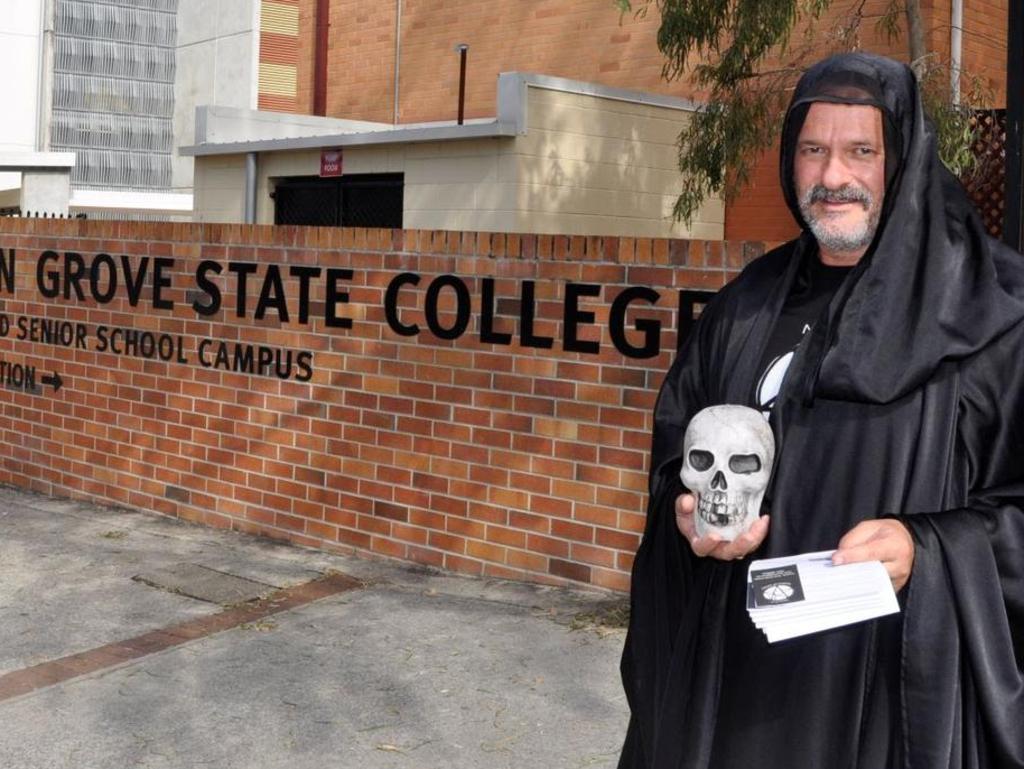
[15, 211]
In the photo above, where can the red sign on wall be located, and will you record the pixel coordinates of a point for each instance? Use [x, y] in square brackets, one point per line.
[330, 162]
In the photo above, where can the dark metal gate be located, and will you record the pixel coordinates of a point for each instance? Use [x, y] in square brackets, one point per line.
[358, 200]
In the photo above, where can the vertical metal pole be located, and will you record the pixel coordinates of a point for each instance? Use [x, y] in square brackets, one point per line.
[398, 53]
[323, 17]
[462, 48]
[250, 188]
[1014, 195]
[956, 47]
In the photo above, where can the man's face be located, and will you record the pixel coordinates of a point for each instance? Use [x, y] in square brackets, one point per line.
[839, 173]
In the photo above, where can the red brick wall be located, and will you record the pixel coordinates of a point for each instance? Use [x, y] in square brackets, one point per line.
[305, 55]
[586, 40]
[984, 44]
[581, 39]
[760, 207]
[502, 460]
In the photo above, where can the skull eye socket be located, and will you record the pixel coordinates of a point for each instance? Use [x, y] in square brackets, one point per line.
[701, 460]
[744, 464]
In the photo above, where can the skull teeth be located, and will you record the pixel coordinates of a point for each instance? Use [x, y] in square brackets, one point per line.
[716, 509]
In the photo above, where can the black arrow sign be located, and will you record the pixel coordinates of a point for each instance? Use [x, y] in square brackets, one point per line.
[54, 380]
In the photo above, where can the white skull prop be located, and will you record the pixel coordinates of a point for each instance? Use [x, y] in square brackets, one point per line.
[727, 460]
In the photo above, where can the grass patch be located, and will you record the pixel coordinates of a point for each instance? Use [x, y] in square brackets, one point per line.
[612, 616]
[263, 626]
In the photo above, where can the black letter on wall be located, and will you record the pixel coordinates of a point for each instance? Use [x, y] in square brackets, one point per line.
[650, 328]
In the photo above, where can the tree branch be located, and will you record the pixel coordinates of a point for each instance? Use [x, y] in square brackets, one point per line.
[916, 29]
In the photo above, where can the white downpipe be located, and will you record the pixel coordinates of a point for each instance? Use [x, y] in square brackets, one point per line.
[398, 51]
[250, 188]
[956, 46]
[47, 52]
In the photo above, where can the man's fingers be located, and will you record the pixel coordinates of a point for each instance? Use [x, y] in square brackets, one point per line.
[888, 551]
[685, 504]
[748, 541]
[860, 534]
[886, 540]
[684, 516]
[876, 540]
[704, 546]
[712, 544]
[869, 551]
[686, 527]
[754, 536]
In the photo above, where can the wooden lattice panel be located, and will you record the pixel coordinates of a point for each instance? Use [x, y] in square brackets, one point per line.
[987, 185]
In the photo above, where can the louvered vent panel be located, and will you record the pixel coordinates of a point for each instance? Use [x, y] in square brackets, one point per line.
[113, 99]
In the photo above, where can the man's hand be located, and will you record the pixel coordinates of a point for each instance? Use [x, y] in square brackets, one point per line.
[883, 539]
[712, 545]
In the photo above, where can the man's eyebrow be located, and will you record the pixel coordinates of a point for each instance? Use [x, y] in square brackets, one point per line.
[863, 142]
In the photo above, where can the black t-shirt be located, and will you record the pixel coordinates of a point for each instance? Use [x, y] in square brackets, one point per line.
[813, 289]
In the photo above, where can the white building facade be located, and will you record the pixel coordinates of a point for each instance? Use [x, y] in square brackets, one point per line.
[114, 88]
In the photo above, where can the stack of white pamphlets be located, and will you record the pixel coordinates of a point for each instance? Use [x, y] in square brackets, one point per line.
[801, 594]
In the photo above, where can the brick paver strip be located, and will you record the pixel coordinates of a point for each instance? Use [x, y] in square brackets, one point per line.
[19, 682]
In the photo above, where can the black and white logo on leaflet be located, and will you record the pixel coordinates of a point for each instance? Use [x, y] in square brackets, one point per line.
[771, 380]
[778, 593]
[774, 586]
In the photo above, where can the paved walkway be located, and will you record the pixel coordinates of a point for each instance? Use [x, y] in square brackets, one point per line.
[129, 640]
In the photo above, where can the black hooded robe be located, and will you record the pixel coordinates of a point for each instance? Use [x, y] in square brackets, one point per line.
[905, 399]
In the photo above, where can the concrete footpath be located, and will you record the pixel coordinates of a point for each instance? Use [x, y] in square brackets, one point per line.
[131, 640]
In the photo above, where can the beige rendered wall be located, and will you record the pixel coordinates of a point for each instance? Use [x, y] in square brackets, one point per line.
[219, 191]
[587, 165]
[464, 185]
[599, 166]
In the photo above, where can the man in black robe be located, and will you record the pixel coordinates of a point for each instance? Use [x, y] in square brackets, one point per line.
[887, 345]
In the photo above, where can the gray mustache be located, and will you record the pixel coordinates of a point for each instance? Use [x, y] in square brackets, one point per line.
[845, 194]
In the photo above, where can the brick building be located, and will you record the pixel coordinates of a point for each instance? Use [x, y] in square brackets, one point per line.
[393, 65]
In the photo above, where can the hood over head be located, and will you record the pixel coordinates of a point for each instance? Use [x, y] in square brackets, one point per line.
[933, 286]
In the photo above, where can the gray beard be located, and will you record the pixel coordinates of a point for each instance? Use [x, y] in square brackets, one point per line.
[838, 240]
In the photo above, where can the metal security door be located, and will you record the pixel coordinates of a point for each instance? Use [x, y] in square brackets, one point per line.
[310, 200]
